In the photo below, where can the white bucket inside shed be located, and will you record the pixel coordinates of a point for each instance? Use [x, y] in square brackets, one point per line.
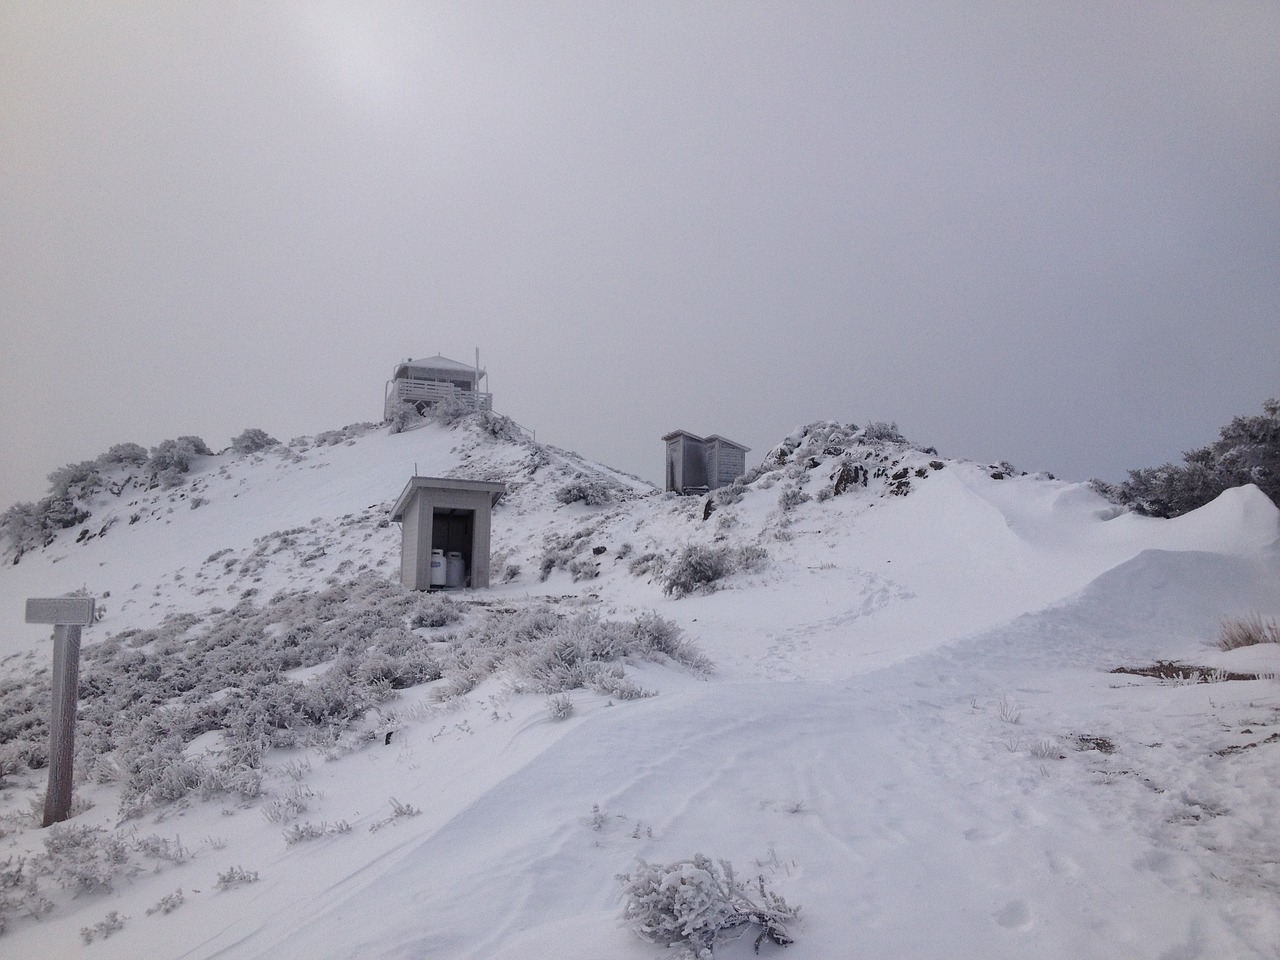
[438, 572]
[455, 570]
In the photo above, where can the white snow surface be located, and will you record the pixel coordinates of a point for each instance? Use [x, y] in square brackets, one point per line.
[911, 731]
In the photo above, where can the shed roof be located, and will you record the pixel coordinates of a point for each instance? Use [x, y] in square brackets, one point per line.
[725, 441]
[713, 438]
[494, 489]
[682, 433]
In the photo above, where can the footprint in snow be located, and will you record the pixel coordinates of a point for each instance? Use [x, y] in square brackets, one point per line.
[1014, 915]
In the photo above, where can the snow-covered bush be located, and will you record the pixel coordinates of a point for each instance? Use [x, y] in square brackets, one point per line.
[75, 480]
[78, 859]
[791, 497]
[728, 495]
[111, 923]
[27, 526]
[435, 611]
[646, 564]
[584, 651]
[1247, 631]
[312, 831]
[699, 568]
[403, 416]
[253, 440]
[129, 454]
[168, 903]
[236, 876]
[560, 706]
[145, 695]
[171, 459]
[498, 427]
[879, 431]
[331, 438]
[591, 491]
[1247, 451]
[613, 682]
[584, 569]
[399, 811]
[695, 903]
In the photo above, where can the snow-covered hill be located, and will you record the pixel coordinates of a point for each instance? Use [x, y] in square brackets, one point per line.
[910, 729]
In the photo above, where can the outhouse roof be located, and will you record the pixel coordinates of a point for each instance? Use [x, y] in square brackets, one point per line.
[725, 441]
[493, 489]
[682, 433]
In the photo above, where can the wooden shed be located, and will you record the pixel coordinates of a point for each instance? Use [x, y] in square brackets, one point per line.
[452, 519]
[697, 464]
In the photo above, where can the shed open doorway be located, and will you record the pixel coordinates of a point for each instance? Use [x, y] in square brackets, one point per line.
[453, 532]
[445, 531]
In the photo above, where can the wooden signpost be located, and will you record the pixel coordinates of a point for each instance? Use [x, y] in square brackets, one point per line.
[67, 615]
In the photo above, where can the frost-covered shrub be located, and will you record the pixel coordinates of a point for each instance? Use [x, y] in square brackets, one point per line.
[403, 416]
[111, 923]
[728, 495]
[498, 427]
[129, 454]
[553, 558]
[162, 848]
[235, 876]
[613, 682]
[78, 859]
[883, 432]
[22, 528]
[312, 831]
[560, 706]
[1247, 631]
[435, 611]
[27, 526]
[792, 497]
[290, 806]
[584, 569]
[252, 440]
[171, 459]
[698, 567]
[75, 480]
[156, 772]
[146, 694]
[584, 652]
[655, 637]
[168, 903]
[84, 859]
[646, 564]
[591, 491]
[331, 438]
[1247, 451]
[399, 811]
[698, 902]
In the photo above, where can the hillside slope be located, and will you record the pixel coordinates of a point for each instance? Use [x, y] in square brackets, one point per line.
[910, 728]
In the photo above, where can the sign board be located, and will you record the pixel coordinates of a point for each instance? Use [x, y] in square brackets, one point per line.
[61, 611]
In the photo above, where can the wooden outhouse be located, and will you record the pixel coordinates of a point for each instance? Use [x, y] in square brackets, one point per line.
[697, 464]
[448, 520]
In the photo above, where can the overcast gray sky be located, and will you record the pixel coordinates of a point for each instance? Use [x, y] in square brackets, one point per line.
[1042, 232]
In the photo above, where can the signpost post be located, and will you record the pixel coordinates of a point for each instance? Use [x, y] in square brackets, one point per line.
[67, 615]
